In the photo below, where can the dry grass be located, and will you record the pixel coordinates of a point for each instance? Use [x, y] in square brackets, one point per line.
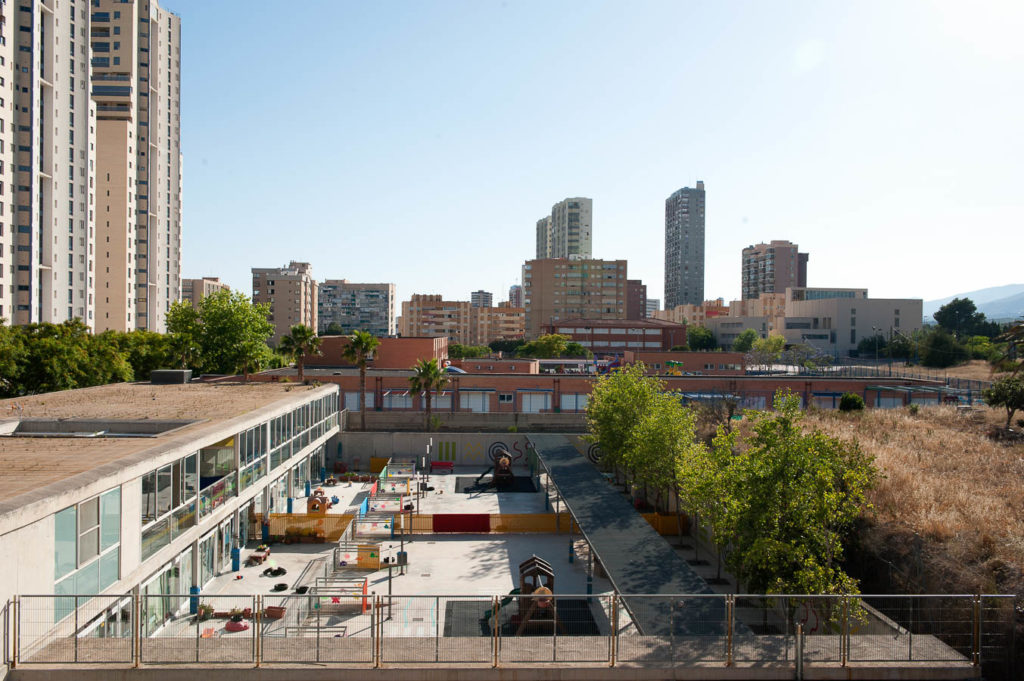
[947, 482]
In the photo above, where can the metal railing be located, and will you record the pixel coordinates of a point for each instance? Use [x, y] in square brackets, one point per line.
[344, 627]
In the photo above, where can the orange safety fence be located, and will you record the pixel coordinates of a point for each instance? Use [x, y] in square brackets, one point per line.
[666, 523]
[548, 523]
[326, 528]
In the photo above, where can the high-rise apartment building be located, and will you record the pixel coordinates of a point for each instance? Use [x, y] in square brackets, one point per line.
[684, 247]
[557, 288]
[515, 295]
[504, 322]
[544, 237]
[431, 315]
[136, 85]
[357, 307]
[772, 268]
[481, 299]
[48, 130]
[567, 232]
[653, 305]
[194, 290]
[636, 299]
[291, 293]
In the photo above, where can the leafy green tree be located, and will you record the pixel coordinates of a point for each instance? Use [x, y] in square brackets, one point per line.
[12, 358]
[766, 351]
[459, 351]
[296, 344]
[745, 341]
[618, 401]
[232, 334]
[700, 338]
[359, 350]
[806, 356]
[981, 347]
[574, 349]
[144, 350]
[426, 378]
[961, 318]
[793, 498]
[851, 402]
[546, 347]
[903, 347]
[680, 348]
[333, 329]
[939, 349]
[868, 344]
[67, 356]
[1011, 355]
[183, 330]
[507, 346]
[1008, 393]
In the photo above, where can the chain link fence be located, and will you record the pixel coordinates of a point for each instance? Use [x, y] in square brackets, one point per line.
[341, 626]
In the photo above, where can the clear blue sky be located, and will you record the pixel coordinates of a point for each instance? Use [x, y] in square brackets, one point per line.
[419, 142]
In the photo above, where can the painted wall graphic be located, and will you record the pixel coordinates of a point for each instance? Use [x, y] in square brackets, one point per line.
[594, 452]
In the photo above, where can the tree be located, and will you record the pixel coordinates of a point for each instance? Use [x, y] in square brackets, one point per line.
[298, 343]
[871, 346]
[232, 333]
[359, 349]
[574, 349]
[459, 351]
[183, 331]
[766, 351]
[961, 318]
[506, 346]
[333, 329]
[426, 378]
[1011, 357]
[548, 346]
[144, 350]
[618, 401]
[700, 338]
[939, 349]
[805, 356]
[1008, 393]
[745, 341]
[680, 348]
[12, 357]
[67, 356]
[792, 497]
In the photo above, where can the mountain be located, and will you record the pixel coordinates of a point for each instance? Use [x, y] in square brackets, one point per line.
[997, 302]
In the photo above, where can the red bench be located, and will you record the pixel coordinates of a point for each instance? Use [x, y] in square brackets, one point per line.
[444, 465]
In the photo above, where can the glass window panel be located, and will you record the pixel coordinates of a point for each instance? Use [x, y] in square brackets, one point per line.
[191, 477]
[88, 514]
[149, 497]
[66, 541]
[110, 518]
[110, 565]
[163, 491]
[88, 546]
[87, 580]
[62, 607]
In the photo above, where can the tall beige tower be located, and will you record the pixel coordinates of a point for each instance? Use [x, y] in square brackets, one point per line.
[291, 293]
[50, 121]
[7, 145]
[136, 84]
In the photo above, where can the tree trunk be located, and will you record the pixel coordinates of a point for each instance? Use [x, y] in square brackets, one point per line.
[298, 364]
[362, 396]
[428, 410]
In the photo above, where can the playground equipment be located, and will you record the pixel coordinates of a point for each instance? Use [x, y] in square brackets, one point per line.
[357, 556]
[317, 503]
[535, 596]
[503, 475]
[390, 503]
[337, 595]
[400, 467]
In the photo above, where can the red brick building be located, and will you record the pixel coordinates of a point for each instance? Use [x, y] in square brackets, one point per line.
[392, 353]
[615, 336]
[689, 363]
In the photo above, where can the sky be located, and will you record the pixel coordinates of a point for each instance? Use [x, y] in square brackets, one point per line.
[419, 142]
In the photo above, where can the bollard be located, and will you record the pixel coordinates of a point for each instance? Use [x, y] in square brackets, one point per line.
[799, 652]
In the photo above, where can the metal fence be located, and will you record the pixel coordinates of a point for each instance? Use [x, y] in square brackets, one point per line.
[342, 626]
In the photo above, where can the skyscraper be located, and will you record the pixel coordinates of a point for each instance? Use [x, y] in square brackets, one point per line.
[567, 232]
[357, 307]
[136, 79]
[481, 299]
[292, 294]
[515, 295]
[772, 268]
[49, 146]
[684, 247]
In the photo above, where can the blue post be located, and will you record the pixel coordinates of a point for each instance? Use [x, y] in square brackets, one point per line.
[193, 600]
[236, 559]
[323, 474]
[572, 555]
[289, 505]
[308, 488]
[266, 532]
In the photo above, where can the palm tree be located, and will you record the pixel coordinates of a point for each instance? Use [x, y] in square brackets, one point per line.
[298, 343]
[361, 345]
[428, 376]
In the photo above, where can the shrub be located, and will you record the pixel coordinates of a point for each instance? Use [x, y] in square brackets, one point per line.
[851, 402]
[914, 409]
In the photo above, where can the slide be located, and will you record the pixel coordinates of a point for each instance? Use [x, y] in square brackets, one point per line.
[482, 475]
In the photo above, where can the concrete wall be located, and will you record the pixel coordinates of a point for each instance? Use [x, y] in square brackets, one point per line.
[463, 449]
[571, 422]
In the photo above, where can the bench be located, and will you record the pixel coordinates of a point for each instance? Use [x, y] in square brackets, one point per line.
[443, 465]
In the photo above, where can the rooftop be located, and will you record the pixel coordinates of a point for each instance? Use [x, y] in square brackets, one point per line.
[38, 465]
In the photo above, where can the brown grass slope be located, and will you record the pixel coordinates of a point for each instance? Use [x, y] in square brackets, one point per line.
[947, 482]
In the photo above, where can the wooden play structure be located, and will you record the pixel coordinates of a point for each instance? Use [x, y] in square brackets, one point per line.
[535, 599]
[357, 556]
[503, 475]
[318, 503]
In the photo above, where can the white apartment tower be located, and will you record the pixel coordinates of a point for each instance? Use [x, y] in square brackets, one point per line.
[49, 125]
[7, 145]
[136, 83]
[567, 232]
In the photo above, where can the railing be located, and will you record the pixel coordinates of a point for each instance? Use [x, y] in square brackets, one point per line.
[606, 629]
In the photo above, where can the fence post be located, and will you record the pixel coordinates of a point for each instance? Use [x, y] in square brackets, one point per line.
[976, 647]
[437, 629]
[137, 629]
[316, 606]
[255, 630]
[844, 632]
[374, 633]
[15, 622]
[496, 630]
[730, 614]
[614, 633]
[257, 622]
[554, 625]
[799, 652]
[74, 632]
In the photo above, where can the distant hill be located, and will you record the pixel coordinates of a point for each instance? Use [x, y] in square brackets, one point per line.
[997, 302]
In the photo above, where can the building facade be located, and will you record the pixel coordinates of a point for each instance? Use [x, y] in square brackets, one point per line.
[653, 305]
[515, 295]
[194, 290]
[8, 223]
[615, 336]
[684, 247]
[430, 315]
[355, 307]
[291, 293]
[497, 323]
[636, 299]
[568, 231]
[481, 299]
[772, 268]
[557, 288]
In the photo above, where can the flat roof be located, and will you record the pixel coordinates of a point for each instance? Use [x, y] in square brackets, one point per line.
[30, 464]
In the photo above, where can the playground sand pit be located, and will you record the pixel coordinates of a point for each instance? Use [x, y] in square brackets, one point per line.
[469, 485]
[472, 618]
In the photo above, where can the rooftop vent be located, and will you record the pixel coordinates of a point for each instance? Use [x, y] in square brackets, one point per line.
[170, 376]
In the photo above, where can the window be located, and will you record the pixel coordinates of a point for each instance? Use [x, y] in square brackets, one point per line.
[505, 398]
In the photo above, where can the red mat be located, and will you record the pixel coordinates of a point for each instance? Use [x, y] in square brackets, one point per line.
[477, 523]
